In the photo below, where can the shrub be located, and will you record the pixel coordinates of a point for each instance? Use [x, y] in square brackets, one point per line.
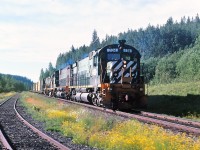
[166, 68]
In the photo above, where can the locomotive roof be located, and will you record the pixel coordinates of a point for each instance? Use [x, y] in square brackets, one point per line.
[120, 47]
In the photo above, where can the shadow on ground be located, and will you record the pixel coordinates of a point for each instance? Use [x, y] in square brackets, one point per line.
[174, 105]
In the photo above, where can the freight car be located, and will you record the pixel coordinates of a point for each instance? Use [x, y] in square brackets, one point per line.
[110, 77]
[39, 86]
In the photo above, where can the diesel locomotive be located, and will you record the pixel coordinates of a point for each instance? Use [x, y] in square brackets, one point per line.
[110, 77]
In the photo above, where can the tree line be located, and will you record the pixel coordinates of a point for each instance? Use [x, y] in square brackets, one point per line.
[14, 83]
[180, 66]
[155, 43]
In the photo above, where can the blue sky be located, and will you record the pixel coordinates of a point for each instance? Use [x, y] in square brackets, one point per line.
[34, 32]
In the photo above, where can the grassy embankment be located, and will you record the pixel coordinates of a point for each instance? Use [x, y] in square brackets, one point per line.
[103, 131]
[178, 99]
[4, 96]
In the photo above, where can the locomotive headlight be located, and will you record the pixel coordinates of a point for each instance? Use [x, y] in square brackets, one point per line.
[124, 64]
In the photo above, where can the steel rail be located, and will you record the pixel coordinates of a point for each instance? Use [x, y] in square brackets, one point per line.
[166, 124]
[4, 142]
[3, 139]
[172, 119]
[41, 134]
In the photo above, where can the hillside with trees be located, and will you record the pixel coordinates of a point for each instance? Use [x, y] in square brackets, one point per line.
[161, 48]
[14, 83]
[180, 66]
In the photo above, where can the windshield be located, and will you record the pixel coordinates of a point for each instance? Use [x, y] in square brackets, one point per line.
[126, 56]
[113, 56]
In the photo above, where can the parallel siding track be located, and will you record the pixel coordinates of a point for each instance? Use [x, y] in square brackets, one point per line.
[173, 123]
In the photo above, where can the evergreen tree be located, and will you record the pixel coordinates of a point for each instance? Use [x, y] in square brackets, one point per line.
[41, 74]
[51, 69]
[46, 73]
[95, 41]
[197, 18]
[73, 49]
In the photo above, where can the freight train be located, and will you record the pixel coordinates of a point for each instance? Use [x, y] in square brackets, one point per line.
[110, 77]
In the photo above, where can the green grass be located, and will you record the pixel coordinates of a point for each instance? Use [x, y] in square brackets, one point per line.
[177, 89]
[97, 129]
[178, 99]
[4, 96]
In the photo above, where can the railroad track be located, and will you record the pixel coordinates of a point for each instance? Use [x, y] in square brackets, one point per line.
[169, 122]
[3, 141]
[173, 123]
[18, 134]
[173, 119]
